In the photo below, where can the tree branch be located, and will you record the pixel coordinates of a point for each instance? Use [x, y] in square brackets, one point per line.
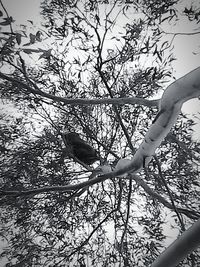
[181, 247]
[189, 213]
[170, 194]
[80, 101]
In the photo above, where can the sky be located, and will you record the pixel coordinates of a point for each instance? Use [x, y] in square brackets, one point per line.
[22, 10]
[186, 47]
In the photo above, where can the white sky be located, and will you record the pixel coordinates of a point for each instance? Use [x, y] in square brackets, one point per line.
[22, 10]
[186, 48]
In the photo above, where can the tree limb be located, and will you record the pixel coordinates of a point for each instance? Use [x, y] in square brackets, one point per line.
[80, 101]
[181, 247]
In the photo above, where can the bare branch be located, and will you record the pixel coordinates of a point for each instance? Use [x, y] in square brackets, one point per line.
[80, 101]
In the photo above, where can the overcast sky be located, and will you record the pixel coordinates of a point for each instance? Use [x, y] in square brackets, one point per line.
[186, 47]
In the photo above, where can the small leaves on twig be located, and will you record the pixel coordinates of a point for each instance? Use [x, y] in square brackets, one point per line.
[7, 21]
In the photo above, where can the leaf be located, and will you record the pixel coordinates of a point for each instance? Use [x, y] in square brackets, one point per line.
[111, 22]
[27, 44]
[29, 51]
[32, 38]
[46, 54]
[24, 32]
[164, 45]
[18, 38]
[155, 51]
[30, 106]
[18, 63]
[7, 21]
[159, 56]
[3, 38]
[1, 13]
[97, 19]
[30, 21]
[38, 36]
[5, 33]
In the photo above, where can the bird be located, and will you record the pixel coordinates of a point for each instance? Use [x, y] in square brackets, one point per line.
[80, 149]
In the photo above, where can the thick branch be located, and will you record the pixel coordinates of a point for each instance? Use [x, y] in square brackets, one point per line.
[181, 247]
[15, 193]
[47, 189]
[175, 95]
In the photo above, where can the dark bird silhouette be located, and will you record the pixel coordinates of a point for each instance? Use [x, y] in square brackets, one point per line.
[80, 149]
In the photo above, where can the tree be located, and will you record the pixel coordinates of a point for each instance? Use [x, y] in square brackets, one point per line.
[84, 72]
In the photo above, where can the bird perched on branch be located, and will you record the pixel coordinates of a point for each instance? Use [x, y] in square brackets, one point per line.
[80, 149]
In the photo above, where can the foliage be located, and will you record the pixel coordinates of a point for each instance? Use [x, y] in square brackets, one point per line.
[83, 52]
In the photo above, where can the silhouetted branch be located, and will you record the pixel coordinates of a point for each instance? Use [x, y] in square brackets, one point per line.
[80, 101]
